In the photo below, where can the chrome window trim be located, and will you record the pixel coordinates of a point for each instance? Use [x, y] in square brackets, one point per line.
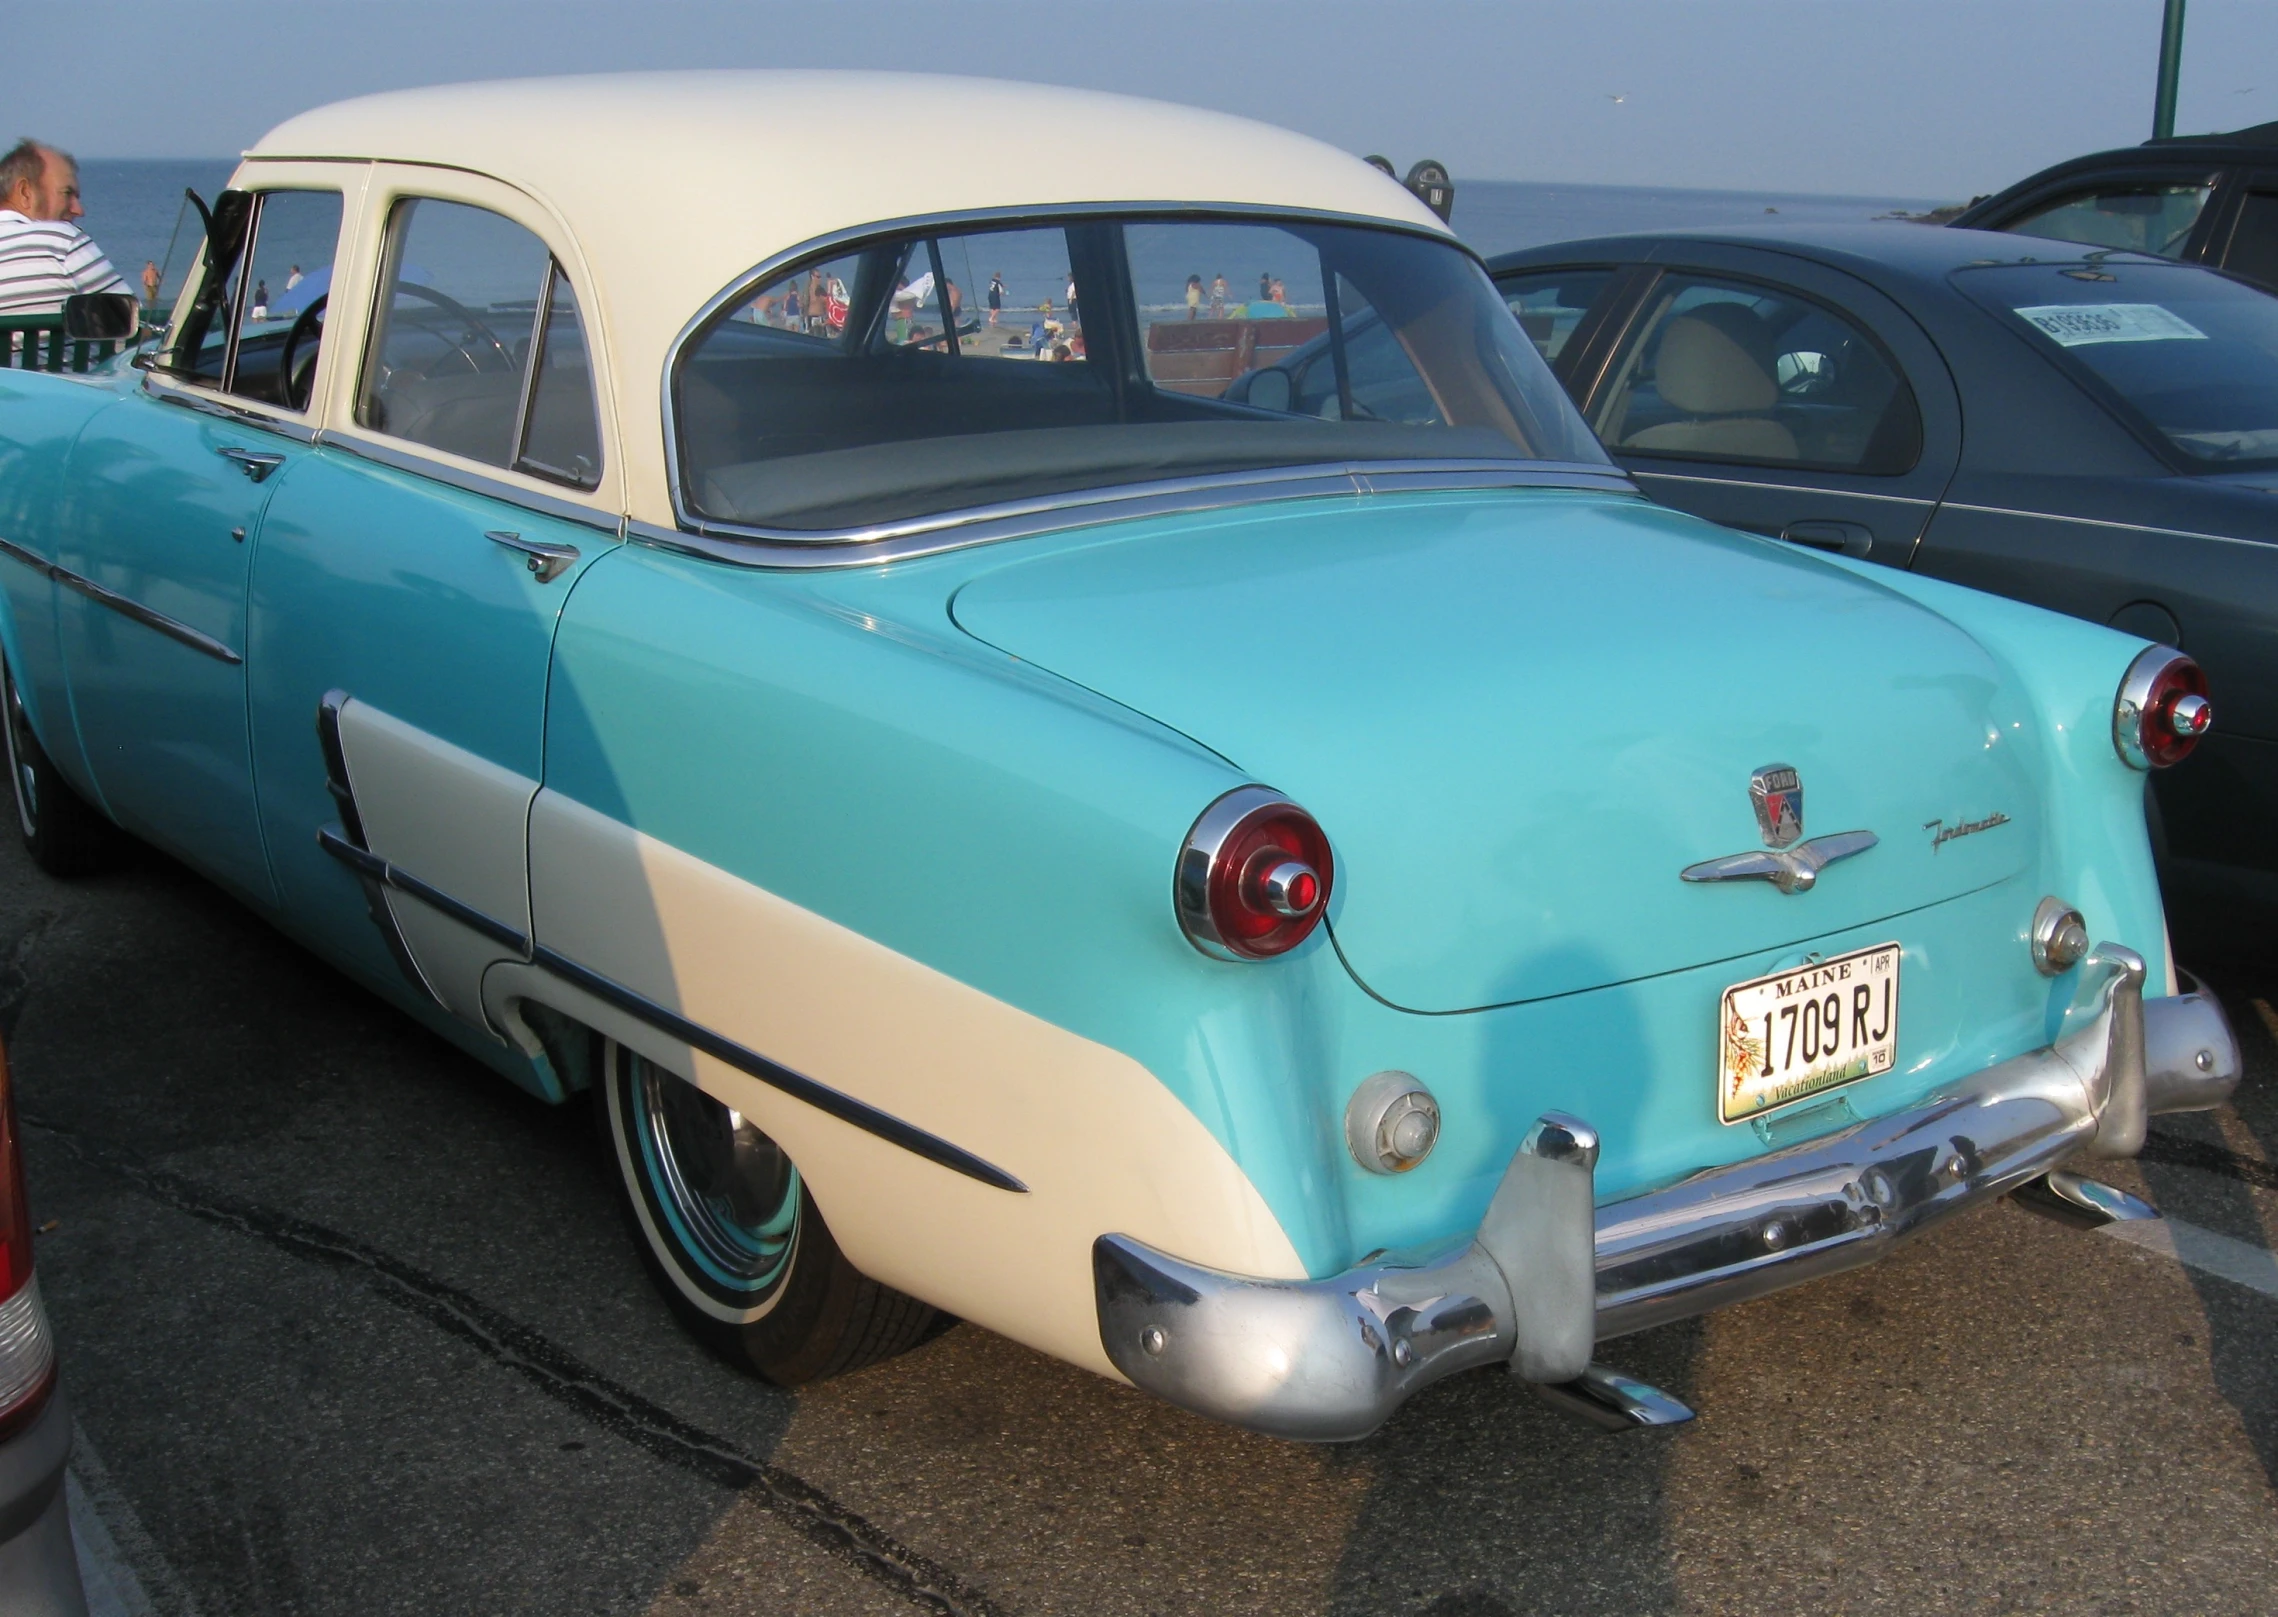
[125, 606]
[496, 488]
[741, 287]
[2103, 522]
[1126, 502]
[1790, 488]
[226, 409]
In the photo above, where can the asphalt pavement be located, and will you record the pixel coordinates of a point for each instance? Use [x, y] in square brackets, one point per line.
[351, 1326]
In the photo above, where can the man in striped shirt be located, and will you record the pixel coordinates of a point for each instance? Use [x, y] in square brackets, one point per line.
[44, 257]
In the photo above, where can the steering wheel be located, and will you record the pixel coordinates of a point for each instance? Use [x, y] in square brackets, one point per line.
[453, 306]
[296, 372]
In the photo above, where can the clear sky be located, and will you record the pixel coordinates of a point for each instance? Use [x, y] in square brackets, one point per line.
[1921, 98]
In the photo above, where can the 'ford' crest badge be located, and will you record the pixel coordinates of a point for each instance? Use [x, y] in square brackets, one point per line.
[1777, 792]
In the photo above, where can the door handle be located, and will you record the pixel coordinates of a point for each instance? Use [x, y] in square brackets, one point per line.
[1844, 538]
[547, 560]
[254, 463]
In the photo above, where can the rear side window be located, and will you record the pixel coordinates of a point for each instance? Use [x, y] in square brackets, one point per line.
[478, 349]
[1733, 371]
[2140, 217]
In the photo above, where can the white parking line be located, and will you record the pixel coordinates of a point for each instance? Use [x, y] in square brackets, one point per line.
[2241, 1262]
[115, 1555]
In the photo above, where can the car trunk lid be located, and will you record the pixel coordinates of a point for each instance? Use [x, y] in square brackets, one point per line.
[1519, 715]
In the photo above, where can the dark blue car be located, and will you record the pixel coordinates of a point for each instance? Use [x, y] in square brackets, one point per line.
[2090, 430]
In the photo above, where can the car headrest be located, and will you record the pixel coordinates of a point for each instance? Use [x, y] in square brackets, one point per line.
[1716, 360]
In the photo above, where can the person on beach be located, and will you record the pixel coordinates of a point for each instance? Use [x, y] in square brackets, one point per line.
[996, 295]
[1265, 287]
[1074, 319]
[44, 256]
[1218, 297]
[292, 277]
[1194, 297]
[150, 282]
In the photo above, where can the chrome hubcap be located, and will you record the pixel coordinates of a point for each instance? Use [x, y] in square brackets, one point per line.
[730, 1190]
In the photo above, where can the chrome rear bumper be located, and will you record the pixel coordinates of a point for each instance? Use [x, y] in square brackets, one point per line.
[1548, 1275]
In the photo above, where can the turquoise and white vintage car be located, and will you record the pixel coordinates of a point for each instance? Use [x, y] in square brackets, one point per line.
[741, 593]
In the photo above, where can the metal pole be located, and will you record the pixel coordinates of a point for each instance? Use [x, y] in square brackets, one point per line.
[2170, 63]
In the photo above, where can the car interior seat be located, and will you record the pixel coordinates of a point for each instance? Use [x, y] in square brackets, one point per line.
[1715, 364]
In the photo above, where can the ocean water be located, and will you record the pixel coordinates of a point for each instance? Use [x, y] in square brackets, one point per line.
[136, 212]
[1501, 216]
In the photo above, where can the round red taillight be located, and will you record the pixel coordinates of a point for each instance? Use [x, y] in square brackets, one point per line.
[1253, 878]
[2162, 709]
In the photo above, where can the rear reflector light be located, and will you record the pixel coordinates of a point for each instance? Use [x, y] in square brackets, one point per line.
[2161, 710]
[27, 1351]
[1253, 879]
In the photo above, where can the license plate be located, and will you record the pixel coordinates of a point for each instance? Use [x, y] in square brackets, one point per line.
[1801, 1032]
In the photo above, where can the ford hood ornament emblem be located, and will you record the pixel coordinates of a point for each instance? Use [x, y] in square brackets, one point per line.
[1791, 865]
[1777, 792]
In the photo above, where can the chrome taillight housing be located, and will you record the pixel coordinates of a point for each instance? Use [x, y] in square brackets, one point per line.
[2161, 710]
[27, 1350]
[1253, 877]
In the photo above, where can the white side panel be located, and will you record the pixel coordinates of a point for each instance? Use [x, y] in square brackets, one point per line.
[1100, 1142]
[453, 819]
[457, 822]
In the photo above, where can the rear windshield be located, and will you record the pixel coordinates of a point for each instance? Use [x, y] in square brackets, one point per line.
[2190, 354]
[924, 373]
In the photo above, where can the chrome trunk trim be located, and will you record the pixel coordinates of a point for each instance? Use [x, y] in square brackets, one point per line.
[1331, 1359]
[867, 546]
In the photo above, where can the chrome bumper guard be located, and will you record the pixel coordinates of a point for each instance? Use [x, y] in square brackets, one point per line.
[1548, 1275]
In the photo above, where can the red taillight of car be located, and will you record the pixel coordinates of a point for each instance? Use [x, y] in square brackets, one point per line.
[2161, 710]
[1253, 878]
[27, 1351]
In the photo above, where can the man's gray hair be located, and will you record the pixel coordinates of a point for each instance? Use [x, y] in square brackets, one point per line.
[26, 161]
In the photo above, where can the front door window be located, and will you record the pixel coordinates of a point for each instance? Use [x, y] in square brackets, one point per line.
[1552, 306]
[290, 272]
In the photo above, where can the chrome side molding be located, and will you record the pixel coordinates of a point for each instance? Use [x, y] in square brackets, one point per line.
[1330, 1359]
[125, 606]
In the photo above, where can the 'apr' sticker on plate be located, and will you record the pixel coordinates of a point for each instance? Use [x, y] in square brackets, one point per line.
[2075, 325]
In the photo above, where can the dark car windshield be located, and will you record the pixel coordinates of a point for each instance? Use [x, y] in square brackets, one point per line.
[2191, 354]
[921, 373]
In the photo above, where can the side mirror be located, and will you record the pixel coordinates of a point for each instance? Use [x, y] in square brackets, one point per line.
[101, 317]
[1269, 389]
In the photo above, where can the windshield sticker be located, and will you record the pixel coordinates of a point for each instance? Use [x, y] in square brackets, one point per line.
[2075, 325]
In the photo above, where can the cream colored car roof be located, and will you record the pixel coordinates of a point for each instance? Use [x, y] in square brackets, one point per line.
[675, 184]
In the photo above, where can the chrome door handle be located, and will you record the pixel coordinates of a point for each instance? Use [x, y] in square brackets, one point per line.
[254, 463]
[548, 561]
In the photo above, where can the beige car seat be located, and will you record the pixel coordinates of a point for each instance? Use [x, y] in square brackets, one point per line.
[1715, 365]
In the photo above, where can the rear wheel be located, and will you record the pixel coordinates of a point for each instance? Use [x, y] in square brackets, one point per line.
[732, 1237]
[66, 836]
